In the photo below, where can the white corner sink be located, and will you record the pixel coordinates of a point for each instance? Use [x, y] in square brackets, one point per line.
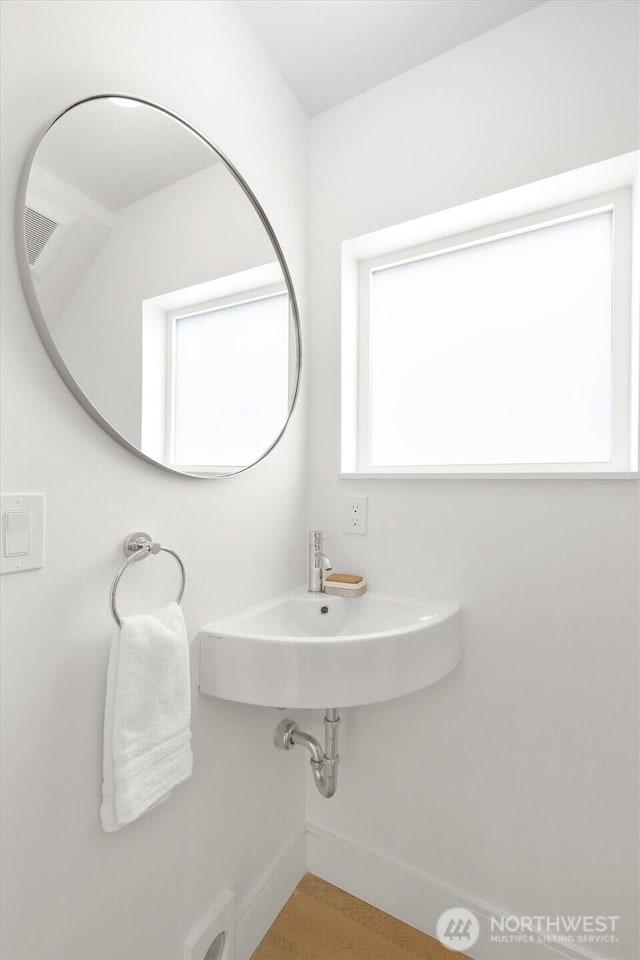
[286, 652]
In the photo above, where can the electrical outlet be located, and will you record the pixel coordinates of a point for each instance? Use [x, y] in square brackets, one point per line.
[356, 509]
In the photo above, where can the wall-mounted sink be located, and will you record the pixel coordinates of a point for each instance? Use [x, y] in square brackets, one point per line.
[304, 649]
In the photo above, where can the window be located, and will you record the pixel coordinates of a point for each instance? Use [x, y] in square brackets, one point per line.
[216, 373]
[503, 350]
[223, 360]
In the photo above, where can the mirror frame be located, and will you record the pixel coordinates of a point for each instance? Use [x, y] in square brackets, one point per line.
[40, 322]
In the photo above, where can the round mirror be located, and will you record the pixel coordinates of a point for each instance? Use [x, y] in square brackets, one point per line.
[158, 287]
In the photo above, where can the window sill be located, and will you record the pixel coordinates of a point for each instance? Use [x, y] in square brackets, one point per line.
[575, 475]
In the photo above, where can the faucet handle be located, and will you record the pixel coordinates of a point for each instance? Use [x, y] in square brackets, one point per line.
[316, 539]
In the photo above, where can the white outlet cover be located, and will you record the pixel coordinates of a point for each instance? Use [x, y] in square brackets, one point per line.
[356, 506]
[219, 919]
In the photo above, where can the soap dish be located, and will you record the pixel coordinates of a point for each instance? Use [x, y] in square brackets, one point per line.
[345, 585]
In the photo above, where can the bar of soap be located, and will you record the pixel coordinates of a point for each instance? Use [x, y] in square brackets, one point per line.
[344, 578]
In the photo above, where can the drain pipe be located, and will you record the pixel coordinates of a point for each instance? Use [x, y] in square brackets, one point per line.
[324, 765]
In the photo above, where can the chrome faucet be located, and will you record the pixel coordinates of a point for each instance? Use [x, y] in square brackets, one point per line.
[319, 564]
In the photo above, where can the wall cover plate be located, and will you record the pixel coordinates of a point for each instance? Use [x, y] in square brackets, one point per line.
[205, 941]
[21, 532]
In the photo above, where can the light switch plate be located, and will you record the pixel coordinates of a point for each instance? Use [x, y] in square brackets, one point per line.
[21, 532]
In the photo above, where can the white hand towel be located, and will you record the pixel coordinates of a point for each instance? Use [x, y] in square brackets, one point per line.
[147, 733]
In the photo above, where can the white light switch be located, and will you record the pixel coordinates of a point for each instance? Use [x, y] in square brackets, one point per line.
[17, 532]
[21, 532]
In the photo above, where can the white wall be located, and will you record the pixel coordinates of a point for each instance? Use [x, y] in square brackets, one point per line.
[72, 891]
[514, 780]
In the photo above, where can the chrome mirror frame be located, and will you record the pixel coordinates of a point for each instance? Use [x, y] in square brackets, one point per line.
[40, 322]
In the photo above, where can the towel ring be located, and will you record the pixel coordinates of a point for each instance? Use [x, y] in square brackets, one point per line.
[137, 546]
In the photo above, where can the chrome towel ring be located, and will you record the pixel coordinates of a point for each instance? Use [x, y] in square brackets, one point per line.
[137, 546]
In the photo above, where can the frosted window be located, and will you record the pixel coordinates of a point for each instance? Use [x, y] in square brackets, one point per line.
[231, 381]
[496, 353]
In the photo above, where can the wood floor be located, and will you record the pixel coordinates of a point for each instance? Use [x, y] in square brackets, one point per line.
[322, 922]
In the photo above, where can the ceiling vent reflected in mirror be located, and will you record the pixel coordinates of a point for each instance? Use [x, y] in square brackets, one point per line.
[38, 230]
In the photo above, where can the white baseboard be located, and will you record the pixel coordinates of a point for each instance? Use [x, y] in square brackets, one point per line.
[412, 897]
[381, 881]
[267, 898]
